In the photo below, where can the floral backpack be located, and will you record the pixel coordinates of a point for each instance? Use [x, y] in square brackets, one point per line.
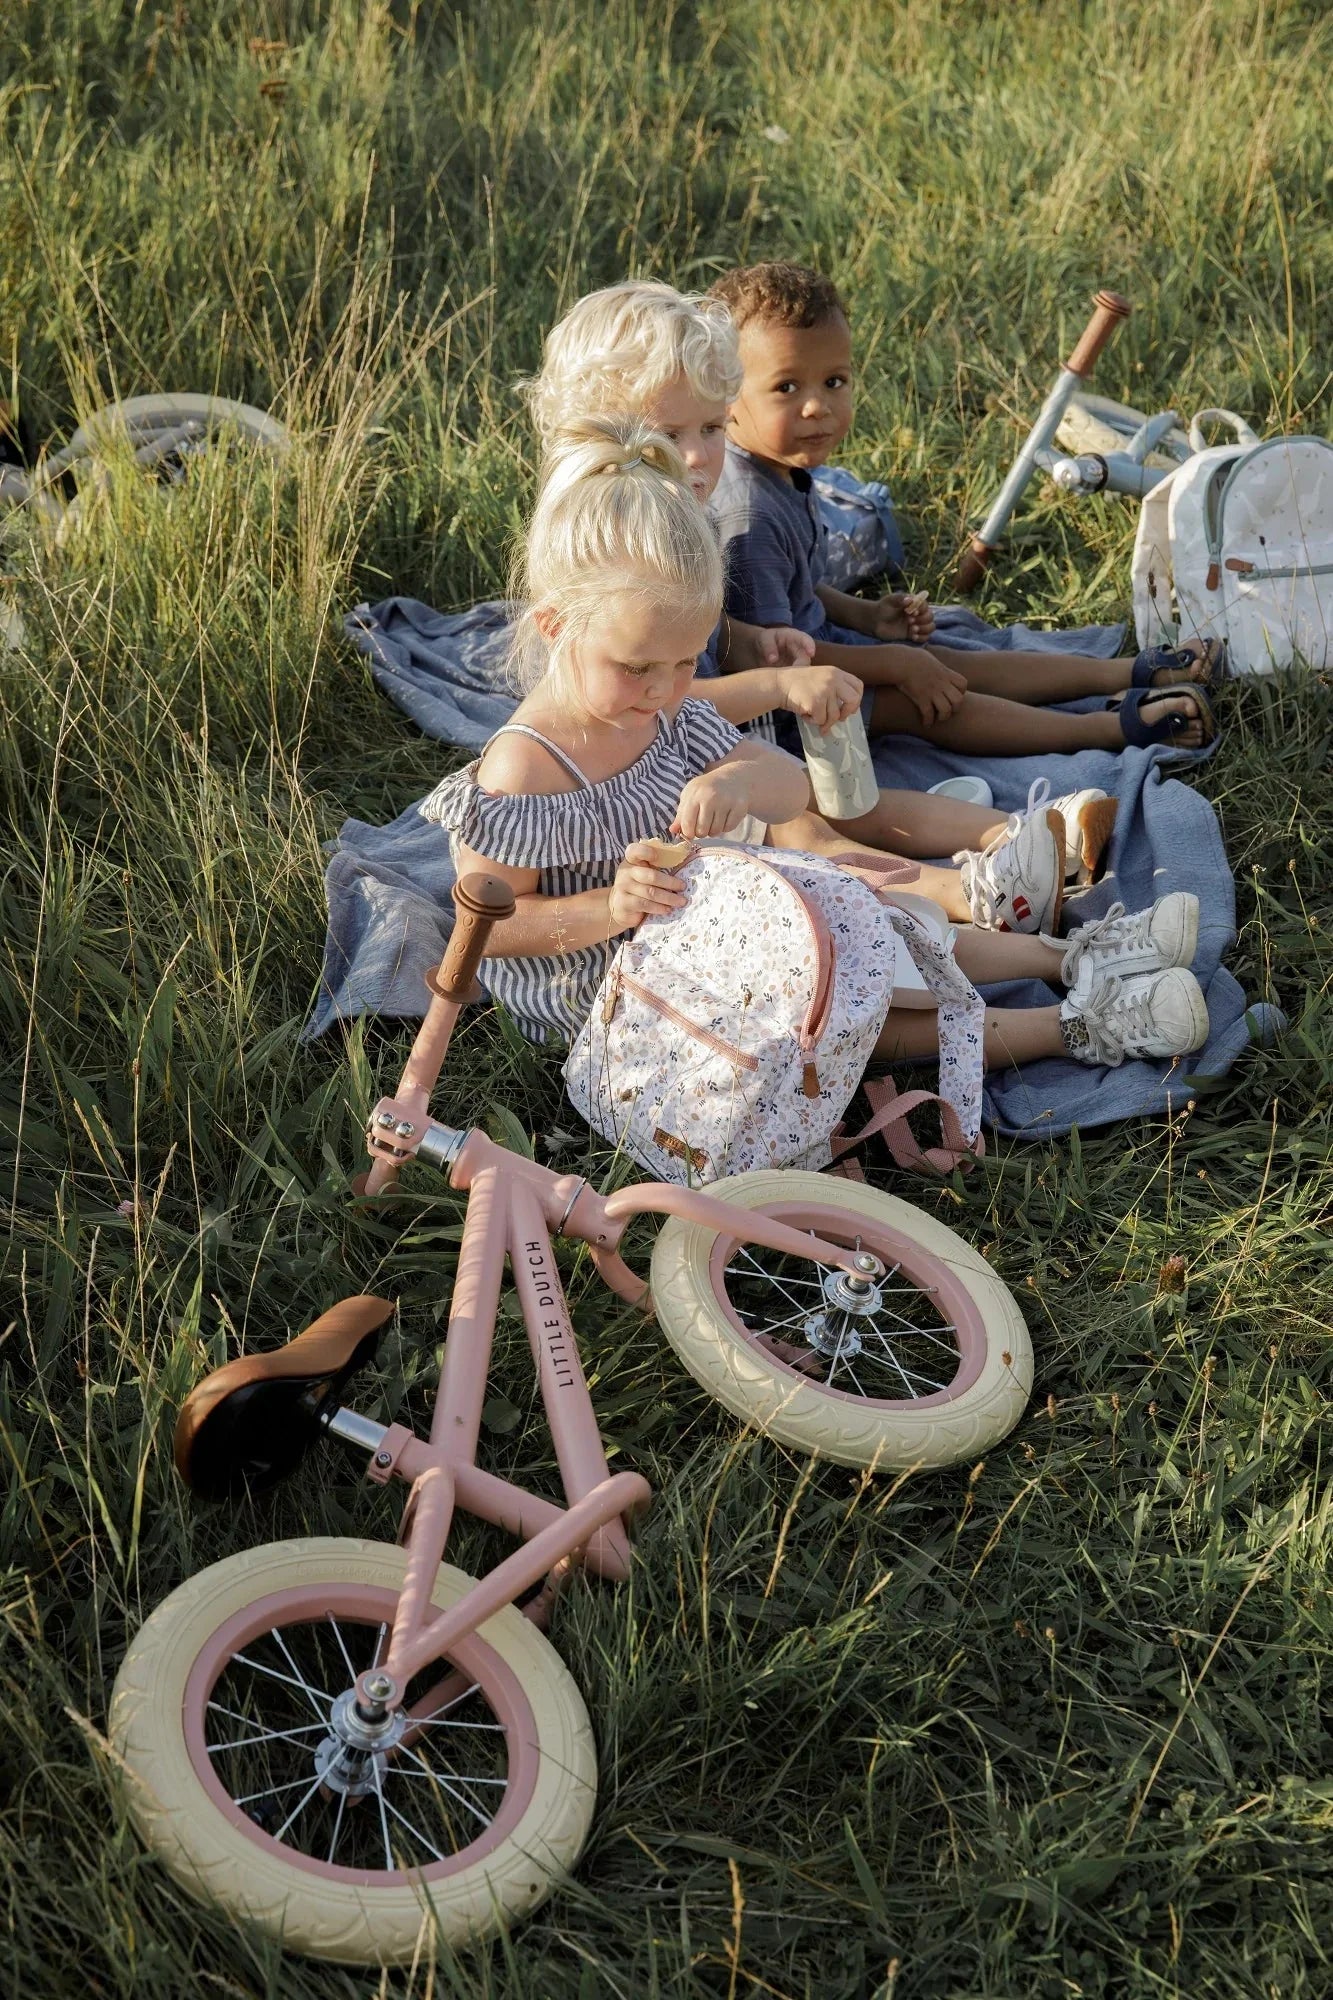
[733, 1032]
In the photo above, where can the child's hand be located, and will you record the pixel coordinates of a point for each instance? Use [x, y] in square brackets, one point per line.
[784, 646]
[643, 889]
[934, 690]
[904, 615]
[714, 802]
[822, 695]
[752, 646]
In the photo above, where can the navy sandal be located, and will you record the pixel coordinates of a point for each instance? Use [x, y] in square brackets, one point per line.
[1144, 735]
[1179, 660]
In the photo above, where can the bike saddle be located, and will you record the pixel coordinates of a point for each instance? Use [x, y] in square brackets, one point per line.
[251, 1423]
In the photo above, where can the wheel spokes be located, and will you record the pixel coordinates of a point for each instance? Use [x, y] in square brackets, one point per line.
[891, 1353]
[300, 1781]
[273, 1674]
[415, 1832]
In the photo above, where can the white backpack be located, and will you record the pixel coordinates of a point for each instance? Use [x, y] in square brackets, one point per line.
[1237, 544]
[732, 1033]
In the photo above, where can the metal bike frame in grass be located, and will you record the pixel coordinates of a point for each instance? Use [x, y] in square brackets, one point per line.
[514, 1207]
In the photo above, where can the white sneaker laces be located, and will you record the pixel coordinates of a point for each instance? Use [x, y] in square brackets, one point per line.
[976, 867]
[1114, 1017]
[1114, 933]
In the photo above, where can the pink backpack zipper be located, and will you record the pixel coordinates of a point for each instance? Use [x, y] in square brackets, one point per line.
[670, 1013]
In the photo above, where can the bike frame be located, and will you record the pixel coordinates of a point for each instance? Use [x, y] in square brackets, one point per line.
[515, 1205]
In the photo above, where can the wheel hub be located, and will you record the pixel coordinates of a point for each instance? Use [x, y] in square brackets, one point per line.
[850, 1296]
[352, 1760]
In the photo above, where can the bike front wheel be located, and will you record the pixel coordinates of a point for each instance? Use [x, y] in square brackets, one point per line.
[933, 1367]
[225, 1720]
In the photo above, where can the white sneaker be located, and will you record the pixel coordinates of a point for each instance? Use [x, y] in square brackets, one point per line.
[1149, 941]
[1089, 818]
[1017, 881]
[1152, 1014]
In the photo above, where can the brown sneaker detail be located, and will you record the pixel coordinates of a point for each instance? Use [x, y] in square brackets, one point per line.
[1096, 824]
[1055, 821]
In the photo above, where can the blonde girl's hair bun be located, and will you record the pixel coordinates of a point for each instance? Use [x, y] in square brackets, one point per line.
[615, 515]
[589, 447]
[663, 457]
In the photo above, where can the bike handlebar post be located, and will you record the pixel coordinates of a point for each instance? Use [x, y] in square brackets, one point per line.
[482, 901]
[1108, 311]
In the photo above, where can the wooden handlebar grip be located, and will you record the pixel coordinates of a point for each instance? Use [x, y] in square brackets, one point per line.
[482, 901]
[972, 565]
[1110, 310]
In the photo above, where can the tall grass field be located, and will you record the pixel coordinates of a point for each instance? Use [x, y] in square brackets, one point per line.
[1056, 1725]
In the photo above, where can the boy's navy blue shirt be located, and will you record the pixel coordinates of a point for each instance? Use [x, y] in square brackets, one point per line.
[773, 544]
[774, 552]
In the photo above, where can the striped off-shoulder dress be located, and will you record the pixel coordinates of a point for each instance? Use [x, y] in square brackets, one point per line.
[576, 840]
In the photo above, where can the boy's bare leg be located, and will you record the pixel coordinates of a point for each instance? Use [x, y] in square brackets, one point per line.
[1014, 1035]
[984, 726]
[1039, 678]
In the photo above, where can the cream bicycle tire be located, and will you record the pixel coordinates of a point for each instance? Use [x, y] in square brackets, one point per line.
[248, 1874]
[804, 1414]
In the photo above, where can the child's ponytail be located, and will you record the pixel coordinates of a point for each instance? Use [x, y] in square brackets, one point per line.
[614, 516]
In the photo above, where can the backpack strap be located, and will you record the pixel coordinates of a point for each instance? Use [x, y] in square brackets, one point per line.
[889, 1108]
[962, 1016]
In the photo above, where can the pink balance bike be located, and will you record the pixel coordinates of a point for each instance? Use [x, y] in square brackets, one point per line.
[355, 1745]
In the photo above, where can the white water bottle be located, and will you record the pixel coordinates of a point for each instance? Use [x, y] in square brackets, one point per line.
[842, 776]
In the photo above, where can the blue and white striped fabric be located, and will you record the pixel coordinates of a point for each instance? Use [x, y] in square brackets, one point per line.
[576, 840]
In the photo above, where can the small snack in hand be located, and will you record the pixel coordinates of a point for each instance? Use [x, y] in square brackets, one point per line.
[667, 854]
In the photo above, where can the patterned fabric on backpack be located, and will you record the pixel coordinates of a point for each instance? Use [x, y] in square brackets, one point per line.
[732, 1033]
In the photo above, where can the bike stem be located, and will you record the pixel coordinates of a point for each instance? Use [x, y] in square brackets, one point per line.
[1109, 310]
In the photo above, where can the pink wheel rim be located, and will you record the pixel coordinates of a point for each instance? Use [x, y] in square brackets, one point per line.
[920, 1266]
[369, 1605]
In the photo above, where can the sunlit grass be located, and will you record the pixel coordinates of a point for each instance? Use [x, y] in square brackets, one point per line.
[1054, 1727]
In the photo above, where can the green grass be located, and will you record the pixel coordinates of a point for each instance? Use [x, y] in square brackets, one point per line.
[1054, 1727]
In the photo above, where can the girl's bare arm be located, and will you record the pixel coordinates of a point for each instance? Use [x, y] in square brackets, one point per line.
[752, 778]
[550, 926]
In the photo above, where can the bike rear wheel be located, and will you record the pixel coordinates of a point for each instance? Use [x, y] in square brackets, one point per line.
[226, 1718]
[934, 1368]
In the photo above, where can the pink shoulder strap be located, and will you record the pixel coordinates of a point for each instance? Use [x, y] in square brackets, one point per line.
[889, 1108]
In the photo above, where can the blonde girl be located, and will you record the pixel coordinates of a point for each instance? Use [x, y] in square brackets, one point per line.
[609, 750]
